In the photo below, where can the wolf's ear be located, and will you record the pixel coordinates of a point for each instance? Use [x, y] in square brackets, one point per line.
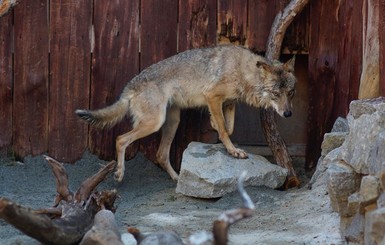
[289, 65]
[263, 65]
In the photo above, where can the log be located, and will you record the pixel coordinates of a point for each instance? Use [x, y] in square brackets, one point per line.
[69, 222]
[104, 230]
[278, 147]
[44, 229]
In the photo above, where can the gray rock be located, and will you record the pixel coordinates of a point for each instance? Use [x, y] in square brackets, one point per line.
[357, 108]
[377, 155]
[366, 121]
[208, 171]
[332, 141]
[375, 226]
[355, 231]
[343, 181]
[369, 190]
[340, 125]
[320, 176]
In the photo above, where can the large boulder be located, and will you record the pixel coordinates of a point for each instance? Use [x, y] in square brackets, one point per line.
[208, 171]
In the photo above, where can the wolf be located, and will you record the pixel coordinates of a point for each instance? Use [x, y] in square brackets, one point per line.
[215, 78]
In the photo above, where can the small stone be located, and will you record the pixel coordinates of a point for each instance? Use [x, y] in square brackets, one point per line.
[208, 171]
[369, 190]
[354, 233]
[343, 181]
[340, 125]
[353, 203]
[332, 141]
[375, 226]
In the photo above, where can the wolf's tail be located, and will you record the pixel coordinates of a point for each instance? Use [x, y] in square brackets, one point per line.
[106, 117]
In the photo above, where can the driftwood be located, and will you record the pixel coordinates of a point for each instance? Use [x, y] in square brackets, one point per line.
[219, 234]
[269, 125]
[72, 215]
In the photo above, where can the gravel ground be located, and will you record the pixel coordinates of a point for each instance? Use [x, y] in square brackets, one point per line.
[148, 201]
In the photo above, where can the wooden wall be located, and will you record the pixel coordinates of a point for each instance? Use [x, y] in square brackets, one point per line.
[57, 57]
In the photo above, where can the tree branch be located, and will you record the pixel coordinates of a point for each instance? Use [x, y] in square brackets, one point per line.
[273, 49]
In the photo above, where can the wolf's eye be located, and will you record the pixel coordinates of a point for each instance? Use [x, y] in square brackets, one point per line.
[291, 93]
[275, 94]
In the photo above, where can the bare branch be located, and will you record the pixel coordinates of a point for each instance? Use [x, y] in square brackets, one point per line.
[87, 186]
[61, 181]
[281, 22]
[221, 225]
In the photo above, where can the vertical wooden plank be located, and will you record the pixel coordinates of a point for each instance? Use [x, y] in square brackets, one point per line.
[197, 24]
[382, 47]
[349, 57]
[6, 80]
[197, 28]
[158, 41]
[261, 17]
[70, 77]
[323, 55]
[232, 21]
[115, 61]
[30, 120]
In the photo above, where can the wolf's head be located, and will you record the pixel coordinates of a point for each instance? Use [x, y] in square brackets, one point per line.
[278, 86]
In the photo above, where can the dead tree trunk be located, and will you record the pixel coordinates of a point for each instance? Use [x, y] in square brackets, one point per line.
[269, 125]
[72, 214]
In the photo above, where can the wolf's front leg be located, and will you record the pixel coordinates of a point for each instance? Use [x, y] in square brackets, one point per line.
[215, 107]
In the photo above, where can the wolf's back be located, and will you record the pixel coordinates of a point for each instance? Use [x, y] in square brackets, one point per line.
[106, 117]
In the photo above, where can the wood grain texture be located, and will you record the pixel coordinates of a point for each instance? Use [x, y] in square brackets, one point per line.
[30, 101]
[70, 61]
[323, 58]
[232, 21]
[6, 71]
[115, 62]
[158, 41]
[261, 16]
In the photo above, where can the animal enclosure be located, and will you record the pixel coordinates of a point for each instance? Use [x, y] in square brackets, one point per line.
[58, 57]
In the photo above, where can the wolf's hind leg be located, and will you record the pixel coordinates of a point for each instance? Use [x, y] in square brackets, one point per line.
[168, 133]
[147, 125]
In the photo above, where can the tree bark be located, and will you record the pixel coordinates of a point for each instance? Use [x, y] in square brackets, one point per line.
[282, 20]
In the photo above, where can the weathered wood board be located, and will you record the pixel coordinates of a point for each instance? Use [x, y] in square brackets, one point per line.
[70, 60]
[115, 61]
[30, 95]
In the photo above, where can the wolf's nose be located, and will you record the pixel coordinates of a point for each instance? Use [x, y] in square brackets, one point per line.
[287, 114]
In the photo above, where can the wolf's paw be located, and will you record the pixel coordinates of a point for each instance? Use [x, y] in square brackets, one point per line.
[239, 153]
[118, 176]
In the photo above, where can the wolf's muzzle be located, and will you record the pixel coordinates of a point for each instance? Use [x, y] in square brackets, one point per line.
[287, 114]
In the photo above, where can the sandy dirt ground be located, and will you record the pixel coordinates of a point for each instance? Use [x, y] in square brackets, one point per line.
[148, 201]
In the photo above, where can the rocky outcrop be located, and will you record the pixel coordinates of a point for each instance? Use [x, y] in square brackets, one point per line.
[208, 171]
[355, 173]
